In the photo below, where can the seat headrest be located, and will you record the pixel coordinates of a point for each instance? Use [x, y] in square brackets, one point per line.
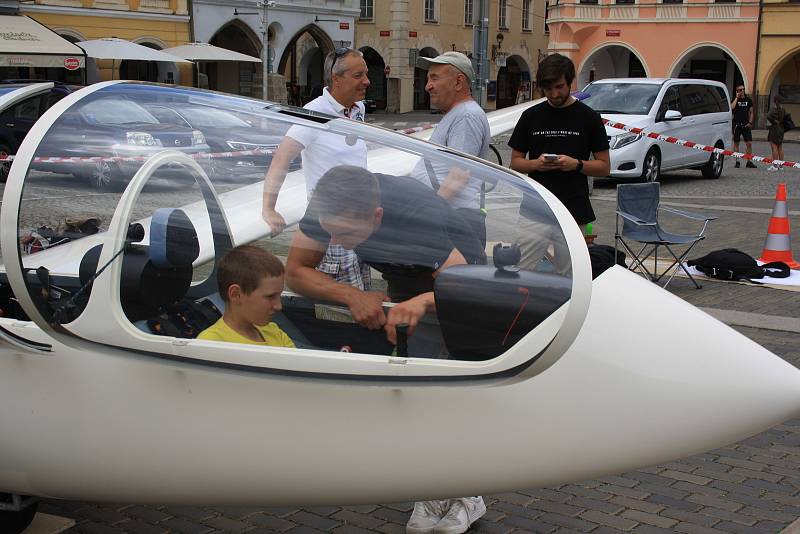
[173, 239]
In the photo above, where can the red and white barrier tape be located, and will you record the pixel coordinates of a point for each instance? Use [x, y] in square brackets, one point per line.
[417, 129]
[199, 155]
[698, 146]
[123, 159]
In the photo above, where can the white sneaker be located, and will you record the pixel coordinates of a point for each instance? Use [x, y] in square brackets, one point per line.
[463, 512]
[426, 516]
[773, 168]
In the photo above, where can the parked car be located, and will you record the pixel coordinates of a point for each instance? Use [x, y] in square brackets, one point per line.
[114, 128]
[695, 110]
[16, 121]
[224, 132]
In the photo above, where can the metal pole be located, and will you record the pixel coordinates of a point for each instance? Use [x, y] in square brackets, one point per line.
[265, 51]
[480, 44]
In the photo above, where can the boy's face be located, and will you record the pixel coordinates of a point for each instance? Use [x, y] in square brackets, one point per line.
[259, 306]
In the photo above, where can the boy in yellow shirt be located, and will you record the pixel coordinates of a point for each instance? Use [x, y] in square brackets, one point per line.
[250, 282]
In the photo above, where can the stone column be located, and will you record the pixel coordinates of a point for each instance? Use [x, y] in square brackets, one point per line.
[400, 93]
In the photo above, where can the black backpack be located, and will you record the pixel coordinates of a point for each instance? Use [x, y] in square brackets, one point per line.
[602, 258]
[733, 264]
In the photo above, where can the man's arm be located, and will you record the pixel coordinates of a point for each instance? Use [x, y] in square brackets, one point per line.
[273, 181]
[521, 163]
[412, 310]
[302, 276]
[751, 116]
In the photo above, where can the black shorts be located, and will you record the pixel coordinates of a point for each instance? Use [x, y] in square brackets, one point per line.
[742, 131]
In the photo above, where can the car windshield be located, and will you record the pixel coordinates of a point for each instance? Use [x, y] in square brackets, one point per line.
[200, 117]
[621, 98]
[116, 111]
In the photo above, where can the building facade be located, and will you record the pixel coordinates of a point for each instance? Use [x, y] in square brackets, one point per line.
[657, 38]
[778, 67]
[392, 34]
[156, 24]
[299, 34]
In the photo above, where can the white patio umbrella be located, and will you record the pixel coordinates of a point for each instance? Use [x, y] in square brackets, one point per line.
[115, 48]
[208, 52]
[198, 52]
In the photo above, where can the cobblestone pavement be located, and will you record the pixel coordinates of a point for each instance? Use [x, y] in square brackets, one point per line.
[747, 487]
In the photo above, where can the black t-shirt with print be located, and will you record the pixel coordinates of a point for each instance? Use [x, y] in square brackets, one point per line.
[576, 131]
[417, 233]
[741, 113]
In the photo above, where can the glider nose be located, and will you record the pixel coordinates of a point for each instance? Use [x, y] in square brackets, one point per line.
[695, 382]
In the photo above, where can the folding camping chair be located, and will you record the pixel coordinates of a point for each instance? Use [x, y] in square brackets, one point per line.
[638, 207]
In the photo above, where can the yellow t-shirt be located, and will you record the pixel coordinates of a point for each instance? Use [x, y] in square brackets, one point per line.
[272, 334]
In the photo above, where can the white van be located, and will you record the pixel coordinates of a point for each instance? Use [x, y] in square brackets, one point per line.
[694, 110]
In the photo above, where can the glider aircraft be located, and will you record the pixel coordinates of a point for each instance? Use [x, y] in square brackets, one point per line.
[546, 377]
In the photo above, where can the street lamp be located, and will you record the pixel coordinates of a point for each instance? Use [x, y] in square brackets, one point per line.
[264, 5]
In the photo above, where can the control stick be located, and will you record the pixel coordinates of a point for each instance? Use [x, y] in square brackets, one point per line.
[402, 340]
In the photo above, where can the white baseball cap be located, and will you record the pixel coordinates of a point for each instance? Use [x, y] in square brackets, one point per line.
[456, 59]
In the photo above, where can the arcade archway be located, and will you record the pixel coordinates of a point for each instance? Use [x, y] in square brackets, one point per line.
[513, 80]
[610, 61]
[422, 99]
[235, 77]
[302, 63]
[784, 80]
[709, 62]
[377, 77]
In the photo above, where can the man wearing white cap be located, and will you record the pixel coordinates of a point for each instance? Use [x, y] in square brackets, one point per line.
[464, 127]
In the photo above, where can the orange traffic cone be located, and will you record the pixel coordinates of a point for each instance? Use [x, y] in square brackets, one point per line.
[778, 246]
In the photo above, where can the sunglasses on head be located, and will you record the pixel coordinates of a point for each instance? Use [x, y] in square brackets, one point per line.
[338, 53]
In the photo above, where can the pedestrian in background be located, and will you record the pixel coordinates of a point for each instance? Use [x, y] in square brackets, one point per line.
[743, 112]
[464, 127]
[346, 76]
[775, 133]
[552, 142]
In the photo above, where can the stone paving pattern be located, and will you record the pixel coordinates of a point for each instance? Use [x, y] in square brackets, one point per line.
[749, 487]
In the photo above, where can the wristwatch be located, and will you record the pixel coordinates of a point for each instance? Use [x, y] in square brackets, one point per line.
[579, 168]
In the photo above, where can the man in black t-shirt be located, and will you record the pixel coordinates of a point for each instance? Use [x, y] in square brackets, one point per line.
[743, 112]
[398, 226]
[552, 142]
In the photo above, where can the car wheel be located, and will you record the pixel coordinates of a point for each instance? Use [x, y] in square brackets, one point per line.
[101, 176]
[17, 522]
[6, 165]
[651, 168]
[713, 168]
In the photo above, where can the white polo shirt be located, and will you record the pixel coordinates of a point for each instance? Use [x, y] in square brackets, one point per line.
[324, 150]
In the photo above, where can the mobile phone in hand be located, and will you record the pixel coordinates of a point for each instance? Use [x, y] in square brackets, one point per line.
[550, 157]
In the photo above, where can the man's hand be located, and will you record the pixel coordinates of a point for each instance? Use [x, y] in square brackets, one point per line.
[455, 181]
[562, 163]
[409, 312]
[567, 163]
[275, 221]
[367, 308]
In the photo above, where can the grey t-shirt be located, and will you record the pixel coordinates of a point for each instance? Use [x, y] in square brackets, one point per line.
[463, 128]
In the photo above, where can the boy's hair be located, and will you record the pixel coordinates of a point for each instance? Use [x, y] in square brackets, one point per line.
[346, 190]
[246, 266]
[552, 68]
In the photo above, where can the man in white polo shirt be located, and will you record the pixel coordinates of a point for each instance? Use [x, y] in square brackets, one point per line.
[347, 83]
